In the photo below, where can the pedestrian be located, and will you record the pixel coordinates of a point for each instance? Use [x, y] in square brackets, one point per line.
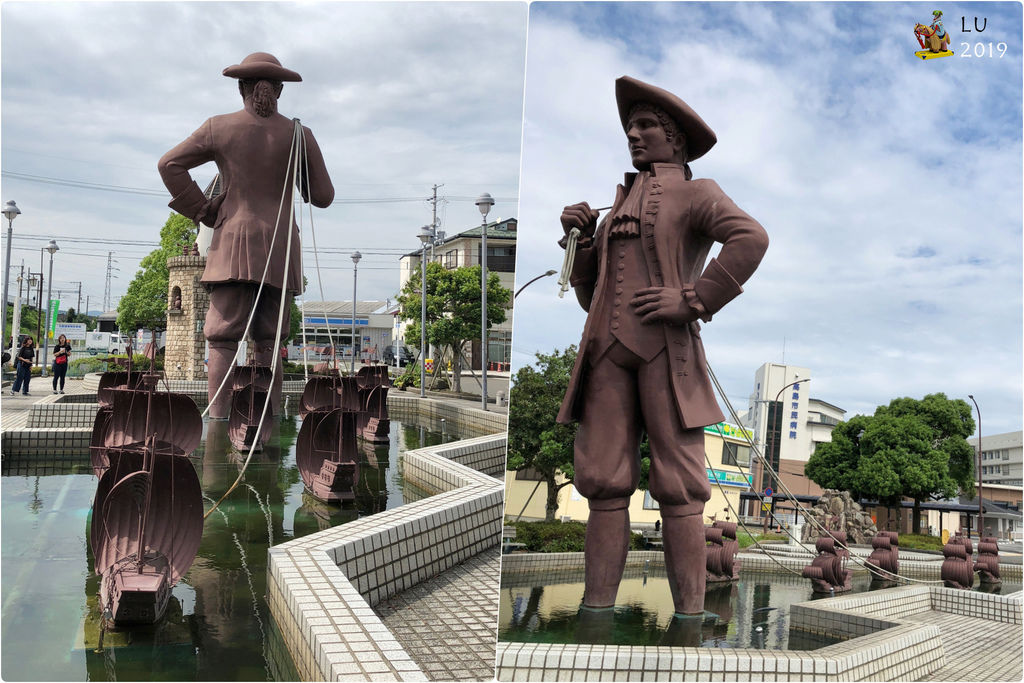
[23, 361]
[61, 356]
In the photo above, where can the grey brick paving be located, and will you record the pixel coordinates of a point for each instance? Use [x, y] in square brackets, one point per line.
[976, 649]
[447, 624]
[14, 409]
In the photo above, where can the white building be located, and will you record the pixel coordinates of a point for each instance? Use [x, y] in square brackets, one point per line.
[1002, 458]
[461, 250]
[330, 322]
[788, 424]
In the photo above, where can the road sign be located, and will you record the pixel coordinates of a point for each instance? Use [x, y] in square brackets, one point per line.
[54, 305]
[71, 330]
[765, 507]
[768, 492]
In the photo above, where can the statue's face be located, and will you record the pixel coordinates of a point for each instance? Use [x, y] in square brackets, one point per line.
[649, 143]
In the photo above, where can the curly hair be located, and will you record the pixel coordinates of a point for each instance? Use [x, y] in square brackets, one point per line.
[668, 124]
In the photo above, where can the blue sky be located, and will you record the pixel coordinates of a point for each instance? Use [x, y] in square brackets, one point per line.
[889, 185]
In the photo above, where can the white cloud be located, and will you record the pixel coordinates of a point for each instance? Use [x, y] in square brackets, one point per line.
[842, 152]
[399, 95]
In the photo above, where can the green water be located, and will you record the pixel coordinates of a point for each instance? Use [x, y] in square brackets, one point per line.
[218, 626]
[751, 612]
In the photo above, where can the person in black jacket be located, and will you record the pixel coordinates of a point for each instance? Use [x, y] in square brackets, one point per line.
[23, 362]
[61, 358]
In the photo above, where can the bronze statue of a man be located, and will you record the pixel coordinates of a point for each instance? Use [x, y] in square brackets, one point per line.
[641, 277]
[251, 148]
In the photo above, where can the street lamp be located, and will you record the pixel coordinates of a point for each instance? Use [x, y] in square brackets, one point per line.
[355, 275]
[768, 444]
[426, 237]
[11, 211]
[547, 274]
[52, 248]
[484, 202]
[981, 509]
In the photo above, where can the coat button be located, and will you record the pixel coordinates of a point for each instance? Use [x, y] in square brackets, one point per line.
[615, 314]
[618, 301]
[615, 326]
[618, 290]
[618, 277]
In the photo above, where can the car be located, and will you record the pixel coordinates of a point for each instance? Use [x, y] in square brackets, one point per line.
[405, 355]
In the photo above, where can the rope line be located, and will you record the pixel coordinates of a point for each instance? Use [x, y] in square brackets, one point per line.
[275, 357]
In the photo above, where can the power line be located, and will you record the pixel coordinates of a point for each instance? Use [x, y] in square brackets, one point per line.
[85, 185]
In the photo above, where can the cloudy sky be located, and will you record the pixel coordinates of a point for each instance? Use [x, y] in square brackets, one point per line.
[400, 96]
[890, 186]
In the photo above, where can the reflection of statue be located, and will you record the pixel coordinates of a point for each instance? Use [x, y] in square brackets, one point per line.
[252, 150]
[641, 277]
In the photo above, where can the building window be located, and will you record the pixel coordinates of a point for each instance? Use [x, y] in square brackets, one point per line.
[649, 502]
[451, 259]
[736, 455]
[529, 474]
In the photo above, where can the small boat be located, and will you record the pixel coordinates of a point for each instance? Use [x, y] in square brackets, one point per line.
[112, 379]
[147, 518]
[720, 562]
[250, 389]
[828, 572]
[374, 424]
[885, 556]
[957, 566]
[326, 448]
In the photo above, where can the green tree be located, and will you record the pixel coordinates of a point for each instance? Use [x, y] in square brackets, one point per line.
[910, 448]
[145, 302]
[535, 440]
[70, 316]
[453, 309]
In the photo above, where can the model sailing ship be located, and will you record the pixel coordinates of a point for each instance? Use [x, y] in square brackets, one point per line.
[325, 451]
[147, 518]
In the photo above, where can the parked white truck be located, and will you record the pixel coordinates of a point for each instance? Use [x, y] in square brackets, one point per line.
[105, 342]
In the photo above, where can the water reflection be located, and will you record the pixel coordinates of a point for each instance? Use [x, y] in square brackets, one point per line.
[217, 626]
[750, 612]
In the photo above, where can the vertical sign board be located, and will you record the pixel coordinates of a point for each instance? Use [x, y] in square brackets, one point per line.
[54, 305]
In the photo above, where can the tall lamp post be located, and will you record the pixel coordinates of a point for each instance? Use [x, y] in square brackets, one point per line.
[778, 414]
[11, 211]
[52, 248]
[426, 237]
[484, 202]
[355, 279]
[981, 509]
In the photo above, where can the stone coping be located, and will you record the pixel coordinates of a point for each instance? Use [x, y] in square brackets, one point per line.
[880, 643]
[322, 587]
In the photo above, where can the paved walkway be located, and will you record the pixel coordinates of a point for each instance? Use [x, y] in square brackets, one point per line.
[14, 409]
[447, 624]
[976, 649]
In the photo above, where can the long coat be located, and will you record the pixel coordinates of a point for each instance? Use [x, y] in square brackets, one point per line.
[680, 221]
[252, 155]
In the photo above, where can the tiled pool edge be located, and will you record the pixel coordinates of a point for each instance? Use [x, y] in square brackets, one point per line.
[881, 646]
[322, 588]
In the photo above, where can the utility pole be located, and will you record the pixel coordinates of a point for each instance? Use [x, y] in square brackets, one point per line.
[110, 275]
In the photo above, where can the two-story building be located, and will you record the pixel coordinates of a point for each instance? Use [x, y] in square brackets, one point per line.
[464, 249]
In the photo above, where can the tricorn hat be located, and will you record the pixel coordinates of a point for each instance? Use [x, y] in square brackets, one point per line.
[699, 136]
[262, 65]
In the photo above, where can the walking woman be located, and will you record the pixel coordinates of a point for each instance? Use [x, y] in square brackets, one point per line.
[23, 361]
[61, 356]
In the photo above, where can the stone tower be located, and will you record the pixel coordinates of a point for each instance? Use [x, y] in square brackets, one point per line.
[188, 302]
